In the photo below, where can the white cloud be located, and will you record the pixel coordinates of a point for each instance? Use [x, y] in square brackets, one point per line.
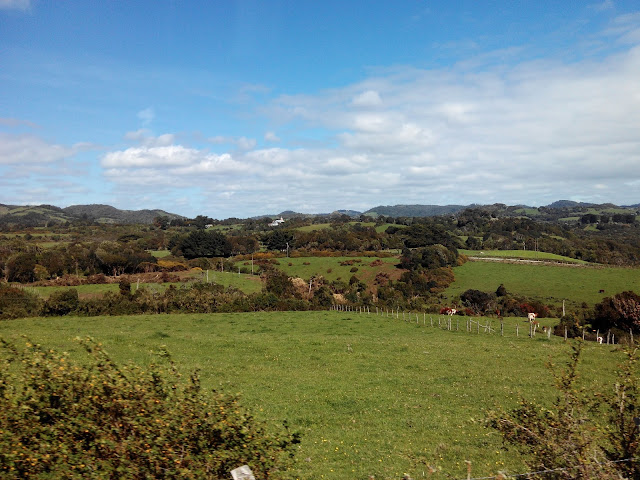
[242, 143]
[22, 150]
[603, 6]
[271, 137]
[15, 4]
[144, 137]
[146, 116]
[370, 98]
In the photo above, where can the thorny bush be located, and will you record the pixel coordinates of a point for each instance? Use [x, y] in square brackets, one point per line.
[584, 434]
[63, 419]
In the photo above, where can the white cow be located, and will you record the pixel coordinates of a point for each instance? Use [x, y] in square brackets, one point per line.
[532, 316]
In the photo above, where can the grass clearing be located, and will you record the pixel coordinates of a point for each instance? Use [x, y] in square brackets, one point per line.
[371, 395]
[521, 254]
[160, 253]
[331, 269]
[550, 284]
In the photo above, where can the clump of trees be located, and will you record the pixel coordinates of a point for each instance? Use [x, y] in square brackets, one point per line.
[202, 243]
[620, 312]
[95, 419]
[502, 303]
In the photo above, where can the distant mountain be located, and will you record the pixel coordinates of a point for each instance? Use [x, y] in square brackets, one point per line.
[350, 213]
[568, 204]
[109, 214]
[45, 215]
[415, 210]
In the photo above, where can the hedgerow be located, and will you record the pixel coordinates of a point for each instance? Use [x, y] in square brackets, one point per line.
[64, 419]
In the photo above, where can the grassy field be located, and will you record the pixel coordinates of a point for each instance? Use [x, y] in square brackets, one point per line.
[521, 254]
[331, 269]
[371, 395]
[243, 282]
[548, 283]
[160, 253]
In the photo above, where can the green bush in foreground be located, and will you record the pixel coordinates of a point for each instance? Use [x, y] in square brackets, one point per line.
[62, 419]
[584, 434]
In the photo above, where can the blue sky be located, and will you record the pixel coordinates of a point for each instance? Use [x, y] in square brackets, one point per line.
[242, 108]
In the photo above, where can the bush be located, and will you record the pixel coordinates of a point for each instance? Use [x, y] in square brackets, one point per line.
[621, 311]
[583, 434]
[61, 303]
[61, 419]
[17, 303]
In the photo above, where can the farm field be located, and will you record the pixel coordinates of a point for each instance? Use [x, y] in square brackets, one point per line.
[549, 283]
[371, 395]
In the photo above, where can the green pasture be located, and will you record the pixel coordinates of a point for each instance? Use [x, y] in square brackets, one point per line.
[521, 254]
[531, 212]
[246, 283]
[371, 395]
[550, 284]
[314, 227]
[330, 268]
[160, 253]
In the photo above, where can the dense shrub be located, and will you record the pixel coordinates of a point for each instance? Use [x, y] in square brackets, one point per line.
[622, 311]
[571, 324]
[62, 302]
[21, 268]
[17, 302]
[62, 419]
[478, 301]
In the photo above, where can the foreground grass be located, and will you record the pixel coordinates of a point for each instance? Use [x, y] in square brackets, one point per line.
[548, 283]
[371, 395]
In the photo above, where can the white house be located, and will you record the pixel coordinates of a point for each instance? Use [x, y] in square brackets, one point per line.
[277, 222]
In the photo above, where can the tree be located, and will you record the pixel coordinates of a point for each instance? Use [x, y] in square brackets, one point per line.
[621, 311]
[478, 301]
[204, 244]
[279, 240]
[279, 283]
[21, 268]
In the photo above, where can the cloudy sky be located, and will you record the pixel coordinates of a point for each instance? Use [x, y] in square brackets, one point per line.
[240, 108]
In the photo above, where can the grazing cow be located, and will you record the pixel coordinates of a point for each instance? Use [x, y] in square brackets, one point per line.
[448, 311]
[531, 316]
[599, 339]
[601, 291]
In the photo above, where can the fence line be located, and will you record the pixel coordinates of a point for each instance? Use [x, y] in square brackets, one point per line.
[446, 322]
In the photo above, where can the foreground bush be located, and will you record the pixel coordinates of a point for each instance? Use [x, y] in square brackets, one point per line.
[583, 434]
[61, 419]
